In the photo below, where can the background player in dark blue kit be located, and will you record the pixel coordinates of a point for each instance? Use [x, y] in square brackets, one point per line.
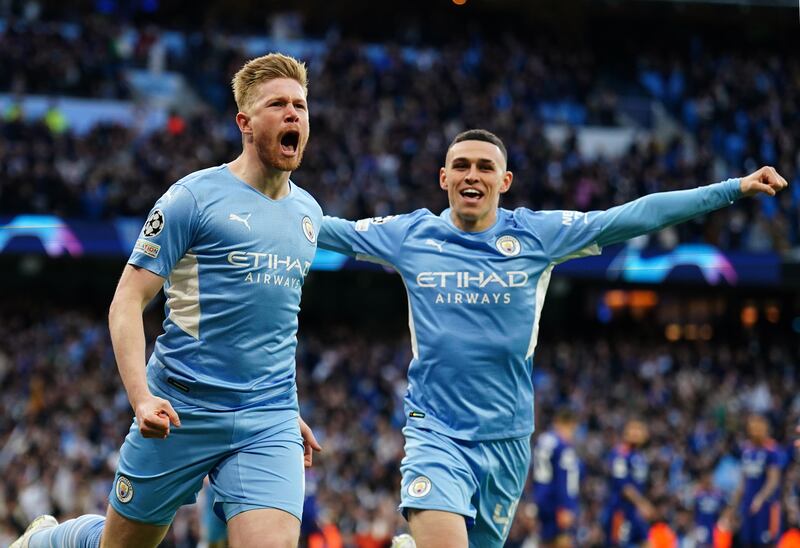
[709, 503]
[628, 511]
[556, 481]
[757, 500]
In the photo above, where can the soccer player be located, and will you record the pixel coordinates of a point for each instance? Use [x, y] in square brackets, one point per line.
[476, 278]
[709, 502]
[556, 481]
[628, 512]
[757, 500]
[231, 245]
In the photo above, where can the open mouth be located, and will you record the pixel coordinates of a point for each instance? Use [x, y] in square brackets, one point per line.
[289, 142]
[471, 194]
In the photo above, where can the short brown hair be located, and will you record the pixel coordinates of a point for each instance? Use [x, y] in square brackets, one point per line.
[264, 68]
[480, 135]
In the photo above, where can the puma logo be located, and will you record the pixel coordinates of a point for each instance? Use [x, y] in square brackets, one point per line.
[243, 220]
[434, 243]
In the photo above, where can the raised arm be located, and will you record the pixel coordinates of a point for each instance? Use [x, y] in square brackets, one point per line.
[657, 211]
[569, 234]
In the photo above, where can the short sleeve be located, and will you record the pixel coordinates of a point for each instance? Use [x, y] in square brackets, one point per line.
[167, 233]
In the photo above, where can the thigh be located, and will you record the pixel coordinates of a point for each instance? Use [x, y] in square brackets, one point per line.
[505, 466]
[156, 476]
[265, 469]
[120, 532]
[436, 475]
[263, 528]
[437, 529]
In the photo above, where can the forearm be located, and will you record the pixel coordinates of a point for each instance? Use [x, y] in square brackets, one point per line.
[663, 209]
[633, 495]
[127, 337]
[770, 486]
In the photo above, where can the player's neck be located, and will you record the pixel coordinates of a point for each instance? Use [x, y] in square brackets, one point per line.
[271, 182]
[474, 225]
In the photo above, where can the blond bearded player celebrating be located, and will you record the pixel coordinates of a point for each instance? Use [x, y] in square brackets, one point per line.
[231, 245]
[476, 277]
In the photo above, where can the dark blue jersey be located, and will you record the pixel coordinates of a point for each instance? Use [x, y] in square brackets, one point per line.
[708, 506]
[628, 468]
[556, 475]
[756, 462]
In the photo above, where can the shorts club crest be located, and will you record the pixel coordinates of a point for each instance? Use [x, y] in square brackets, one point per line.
[419, 487]
[124, 490]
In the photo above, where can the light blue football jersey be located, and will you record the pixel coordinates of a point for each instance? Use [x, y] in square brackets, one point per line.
[234, 262]
[475, 298]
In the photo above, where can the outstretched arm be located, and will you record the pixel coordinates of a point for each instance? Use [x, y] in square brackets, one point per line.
[657, 211]
[569, 234]
[377, 239]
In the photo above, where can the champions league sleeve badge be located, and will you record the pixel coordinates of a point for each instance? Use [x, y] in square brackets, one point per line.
[154, 224]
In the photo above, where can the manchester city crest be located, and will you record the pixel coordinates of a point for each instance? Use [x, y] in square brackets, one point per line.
[508, 246]
[420, 487]
[308, 229]
[123, 489]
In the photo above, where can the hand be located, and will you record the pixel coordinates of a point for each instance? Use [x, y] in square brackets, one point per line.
[764, 180]
[154, 416]
[310, 443]
[756, 505]
[797, 441]
[564, 519]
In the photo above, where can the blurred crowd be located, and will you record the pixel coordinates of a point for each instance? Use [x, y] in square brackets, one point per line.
[382, 117]
[64, 416]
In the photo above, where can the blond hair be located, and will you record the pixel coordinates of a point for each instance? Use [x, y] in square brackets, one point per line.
[262, 69]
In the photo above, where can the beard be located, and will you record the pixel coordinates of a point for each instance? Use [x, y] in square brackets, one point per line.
[270, 155]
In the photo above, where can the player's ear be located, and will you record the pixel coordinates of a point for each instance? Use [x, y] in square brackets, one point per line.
[443, 178]
[243, 121]
[508, 178]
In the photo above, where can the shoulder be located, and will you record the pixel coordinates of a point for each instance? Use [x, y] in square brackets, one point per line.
[305, 197]
[198, 184]
[535, 222]
[197, 179]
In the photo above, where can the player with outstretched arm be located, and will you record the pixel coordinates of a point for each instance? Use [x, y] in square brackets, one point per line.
[476, 277]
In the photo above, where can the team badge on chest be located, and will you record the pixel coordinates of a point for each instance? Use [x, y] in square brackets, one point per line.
[308, 229]
[508, 246]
